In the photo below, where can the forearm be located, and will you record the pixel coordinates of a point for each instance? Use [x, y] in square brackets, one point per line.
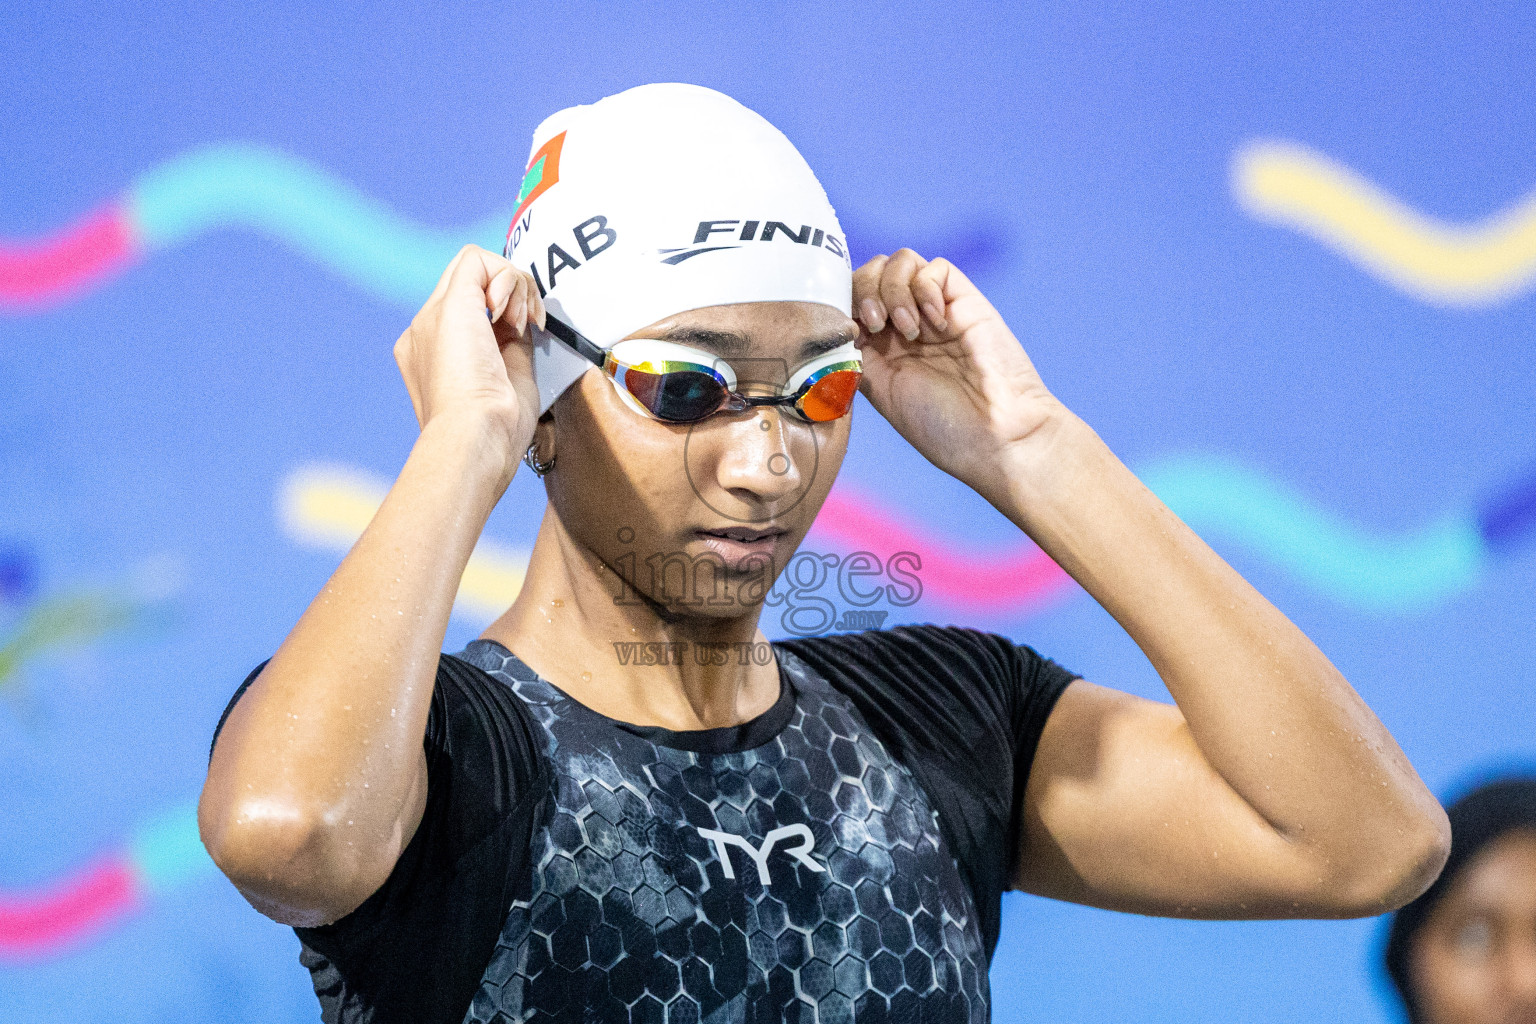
[321, 760]
[1268, 712]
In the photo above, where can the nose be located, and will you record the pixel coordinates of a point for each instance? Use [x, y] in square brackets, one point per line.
[763, 459]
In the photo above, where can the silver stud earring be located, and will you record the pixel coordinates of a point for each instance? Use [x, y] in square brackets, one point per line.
[531, 459]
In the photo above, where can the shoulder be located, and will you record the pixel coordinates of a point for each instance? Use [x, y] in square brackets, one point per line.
[470, 699]
[481, 739]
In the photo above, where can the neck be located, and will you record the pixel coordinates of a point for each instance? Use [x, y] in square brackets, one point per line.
[631, 659]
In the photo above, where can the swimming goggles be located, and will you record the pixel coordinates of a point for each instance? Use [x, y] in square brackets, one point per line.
[679, 384]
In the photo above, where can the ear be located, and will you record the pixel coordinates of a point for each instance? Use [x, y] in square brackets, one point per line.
[544, 436]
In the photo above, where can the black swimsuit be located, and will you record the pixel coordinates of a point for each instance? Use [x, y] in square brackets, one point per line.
[797, 875]
[841, 857]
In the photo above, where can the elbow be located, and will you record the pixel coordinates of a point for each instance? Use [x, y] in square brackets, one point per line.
[1395, 869]
[257, 840]
[1427, 854]
[283, 858]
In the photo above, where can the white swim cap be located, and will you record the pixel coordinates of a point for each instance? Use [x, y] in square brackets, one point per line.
[662, 199]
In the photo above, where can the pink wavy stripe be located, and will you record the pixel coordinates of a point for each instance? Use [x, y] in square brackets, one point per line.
[52, 269]
[1016, 580]
[68, 909]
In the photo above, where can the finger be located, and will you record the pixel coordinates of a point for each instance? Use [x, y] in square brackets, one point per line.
[508, 334]
[866, 294]
[928, 290]
[955, 282]
[512, 325]
[517, 361]
[472, 277]
[896, 292]
[541, 315]
[514, 317]
[517, 315]
[517, 307]
[499, 293]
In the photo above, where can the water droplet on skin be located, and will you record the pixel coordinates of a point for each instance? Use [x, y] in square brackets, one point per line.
[558, 603]
[586, 677]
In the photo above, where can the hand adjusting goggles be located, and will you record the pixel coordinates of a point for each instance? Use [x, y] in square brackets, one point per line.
[679, 384]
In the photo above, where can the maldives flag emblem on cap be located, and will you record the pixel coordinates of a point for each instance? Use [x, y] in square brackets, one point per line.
[543, 171]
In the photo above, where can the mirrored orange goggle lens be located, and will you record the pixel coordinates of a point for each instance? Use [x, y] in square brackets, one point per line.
[831, 396]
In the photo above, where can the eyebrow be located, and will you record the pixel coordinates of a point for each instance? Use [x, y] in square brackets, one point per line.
[728, 343]
[721, 343]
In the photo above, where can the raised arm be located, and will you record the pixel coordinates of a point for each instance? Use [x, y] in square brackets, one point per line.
[318, 778]
[1270, 790]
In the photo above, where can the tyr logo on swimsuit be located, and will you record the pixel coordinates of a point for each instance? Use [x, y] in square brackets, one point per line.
[724, 840]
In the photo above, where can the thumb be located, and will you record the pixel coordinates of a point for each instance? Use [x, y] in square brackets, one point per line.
[517, 358]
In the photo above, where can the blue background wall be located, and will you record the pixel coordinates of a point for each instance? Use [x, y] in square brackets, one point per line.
[1085, 165]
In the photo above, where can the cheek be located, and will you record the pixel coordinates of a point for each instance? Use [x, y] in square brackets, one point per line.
[1452, 989]
[619, 468]
[836, 445]
[832, 446]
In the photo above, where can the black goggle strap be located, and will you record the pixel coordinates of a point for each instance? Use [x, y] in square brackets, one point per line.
[575, 339]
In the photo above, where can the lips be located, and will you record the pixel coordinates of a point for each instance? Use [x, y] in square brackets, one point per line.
[736, 544]
[744, 534]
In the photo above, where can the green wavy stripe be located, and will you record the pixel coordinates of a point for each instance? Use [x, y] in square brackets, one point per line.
[61, 622]
[289, 200]
[1406, 572]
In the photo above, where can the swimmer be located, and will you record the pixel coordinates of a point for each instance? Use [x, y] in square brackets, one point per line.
[622, 802]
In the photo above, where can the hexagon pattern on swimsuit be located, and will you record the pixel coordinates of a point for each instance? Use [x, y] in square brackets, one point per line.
[630, 913]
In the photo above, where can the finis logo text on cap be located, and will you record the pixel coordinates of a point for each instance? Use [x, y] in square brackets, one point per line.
[704, 239]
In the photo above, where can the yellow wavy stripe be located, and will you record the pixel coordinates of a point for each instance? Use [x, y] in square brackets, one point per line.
[1478, 264]
[329, 507]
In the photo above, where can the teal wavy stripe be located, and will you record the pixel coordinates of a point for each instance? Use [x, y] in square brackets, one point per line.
[167, 850]
[1410, 571]
[271, 192]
